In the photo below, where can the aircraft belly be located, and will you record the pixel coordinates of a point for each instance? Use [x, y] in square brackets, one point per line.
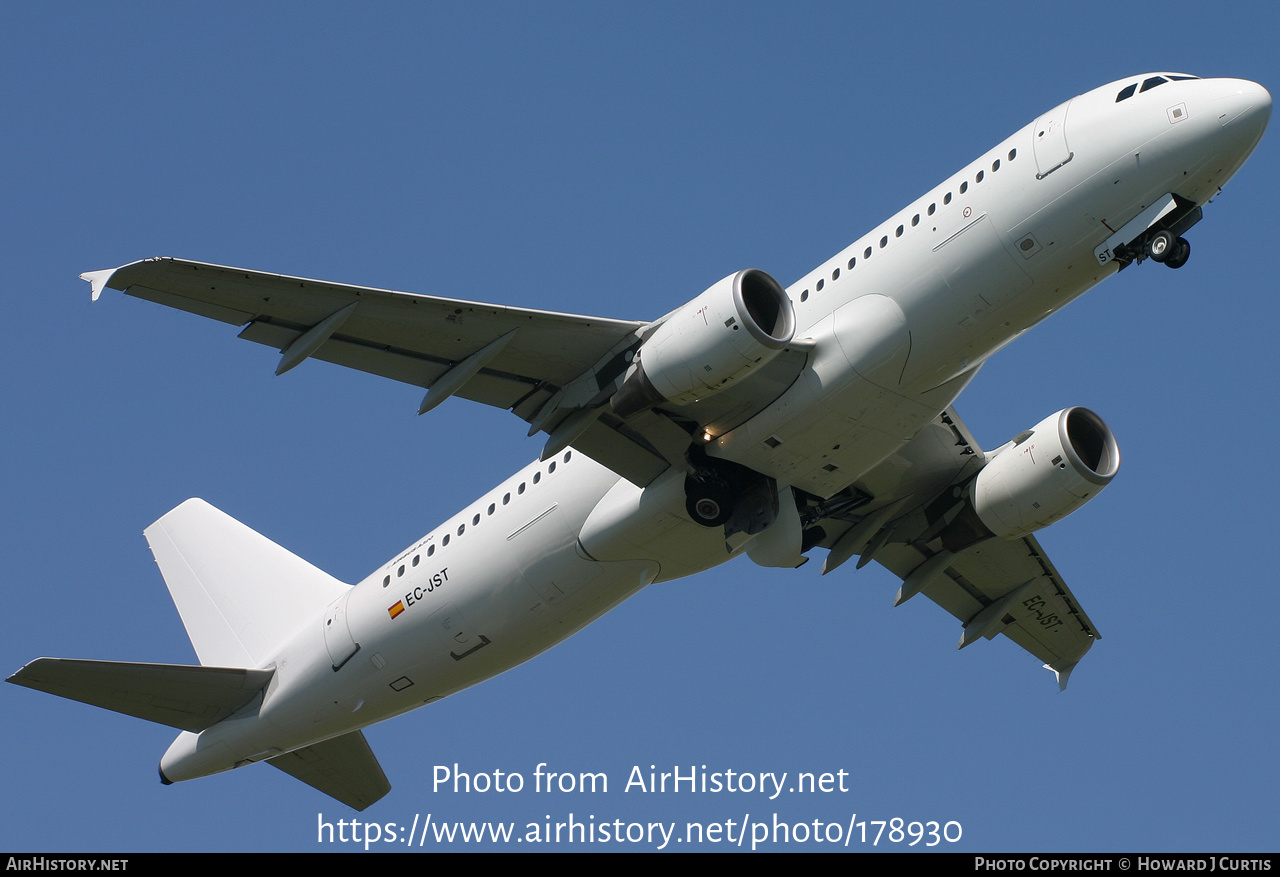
[506, 589]
[849, 410]
[846, 437]
[504, 622]
[651, 525]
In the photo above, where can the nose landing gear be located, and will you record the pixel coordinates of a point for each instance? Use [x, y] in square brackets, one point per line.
[1166, 248]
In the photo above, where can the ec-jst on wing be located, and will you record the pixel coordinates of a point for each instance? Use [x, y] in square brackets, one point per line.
[992, 585]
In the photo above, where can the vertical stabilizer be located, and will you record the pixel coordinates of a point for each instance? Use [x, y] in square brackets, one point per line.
[240, 595]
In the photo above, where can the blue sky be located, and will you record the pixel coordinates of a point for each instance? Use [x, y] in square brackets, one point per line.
[616, 159]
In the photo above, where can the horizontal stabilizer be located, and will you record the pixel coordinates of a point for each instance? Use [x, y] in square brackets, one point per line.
[178, 695]
[344, 768]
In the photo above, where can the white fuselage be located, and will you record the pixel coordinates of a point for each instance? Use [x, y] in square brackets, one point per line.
[899, 322]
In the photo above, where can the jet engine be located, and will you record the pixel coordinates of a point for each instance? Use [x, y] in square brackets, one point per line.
[1045, 473]
[731, 329]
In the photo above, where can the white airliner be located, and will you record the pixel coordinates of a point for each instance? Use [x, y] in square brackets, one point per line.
[752, 420]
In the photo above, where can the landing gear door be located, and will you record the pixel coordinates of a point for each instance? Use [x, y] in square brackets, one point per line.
[1050, 141]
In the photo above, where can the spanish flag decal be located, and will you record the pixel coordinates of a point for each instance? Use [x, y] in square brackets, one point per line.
[396, 609]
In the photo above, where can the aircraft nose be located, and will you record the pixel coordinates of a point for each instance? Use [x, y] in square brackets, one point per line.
[1243, 106]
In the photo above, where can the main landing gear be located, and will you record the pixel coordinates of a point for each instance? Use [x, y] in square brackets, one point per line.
[719, 493]
[1166, 248]
[709, 500]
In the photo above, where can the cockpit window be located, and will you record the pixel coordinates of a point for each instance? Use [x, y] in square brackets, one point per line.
[1147, 84]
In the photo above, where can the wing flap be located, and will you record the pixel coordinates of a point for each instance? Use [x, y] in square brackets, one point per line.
[1045, 619]
[181, 696]
[344, 768]
[623, 451]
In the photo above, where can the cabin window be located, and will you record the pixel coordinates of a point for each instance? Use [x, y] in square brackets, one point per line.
[491, 508]
[915, 220]
[884, 242]
[804, 296]
[475, 520]
[386, 581]
[537, 476]
[964, 187]
[416, 558]
[1013, 153]
[462, 528]
[552, 467]
[947, 200]
[898, 233]
[995, 166]
[506, 498]
[932, 208]
[821, 283]
[835, 275]
[445, 540]
[978, 179]
[431, 549]
[852, 262]
[400, 571]
[867, 254]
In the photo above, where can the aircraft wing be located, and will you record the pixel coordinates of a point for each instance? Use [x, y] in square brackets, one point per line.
[555, 371]
[1010, 588]
[513, 358]
[995, 586]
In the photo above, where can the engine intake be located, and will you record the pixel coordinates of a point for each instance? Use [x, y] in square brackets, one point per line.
[727, 332]
[1046, 473]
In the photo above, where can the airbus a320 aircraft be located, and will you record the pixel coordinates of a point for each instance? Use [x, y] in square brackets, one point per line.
[754, 419]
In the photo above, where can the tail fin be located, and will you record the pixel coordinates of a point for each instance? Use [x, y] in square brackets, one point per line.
[240, 595]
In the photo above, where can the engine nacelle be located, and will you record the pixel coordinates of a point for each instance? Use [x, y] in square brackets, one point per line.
[730, 330]
[1064, 461]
